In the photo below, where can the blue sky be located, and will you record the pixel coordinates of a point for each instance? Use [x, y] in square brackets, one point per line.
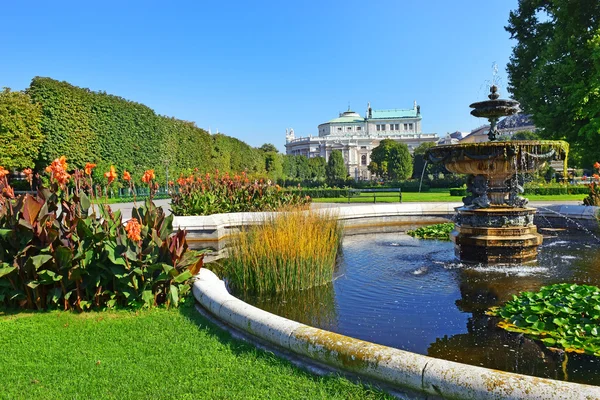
[253, 69]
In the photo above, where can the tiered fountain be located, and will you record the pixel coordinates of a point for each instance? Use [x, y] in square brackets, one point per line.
[495, 225]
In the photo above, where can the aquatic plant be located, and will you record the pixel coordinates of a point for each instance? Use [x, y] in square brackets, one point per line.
[291, 251]
[436, 231]
[562, 315]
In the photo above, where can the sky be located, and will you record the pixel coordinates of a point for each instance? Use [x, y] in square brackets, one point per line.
[252, 69]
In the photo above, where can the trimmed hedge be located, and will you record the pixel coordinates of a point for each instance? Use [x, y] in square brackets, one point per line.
[458, 192]
[88, 126]
[321, 193]
[406, 186]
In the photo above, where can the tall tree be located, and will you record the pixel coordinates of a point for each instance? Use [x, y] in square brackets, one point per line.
[268, 147]
[336, 170]
[20, 130]
[391, 160]
[554, 70]
[419, 162]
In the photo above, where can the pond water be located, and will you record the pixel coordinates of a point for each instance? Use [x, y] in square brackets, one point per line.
[412, 294]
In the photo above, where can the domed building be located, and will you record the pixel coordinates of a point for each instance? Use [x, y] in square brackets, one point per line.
[356, 136]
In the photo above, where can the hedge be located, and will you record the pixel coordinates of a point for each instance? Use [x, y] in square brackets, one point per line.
[322, 193]
[88, 126]
[537, 190]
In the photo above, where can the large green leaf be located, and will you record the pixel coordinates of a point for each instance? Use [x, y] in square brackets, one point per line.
[6, 270]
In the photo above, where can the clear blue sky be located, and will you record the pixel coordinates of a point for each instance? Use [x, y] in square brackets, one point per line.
[253, 69]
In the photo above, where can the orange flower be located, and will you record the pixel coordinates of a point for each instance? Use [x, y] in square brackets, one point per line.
[126, 176]
[171, 183]
[8, 192]
[597, 165]
[3, 172]
[58, 170]
[148, 176]
[111, 175]
[181, 181]
[596, 176]
[584, 178]
[134, 230]
[89, 167]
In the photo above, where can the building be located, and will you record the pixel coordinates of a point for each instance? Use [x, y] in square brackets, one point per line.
[506, 127]
[356, 136]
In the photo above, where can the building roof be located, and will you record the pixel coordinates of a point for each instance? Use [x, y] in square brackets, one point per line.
[395, 113]
[347, 117]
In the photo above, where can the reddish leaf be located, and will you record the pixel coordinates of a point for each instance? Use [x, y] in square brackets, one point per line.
[31, 209]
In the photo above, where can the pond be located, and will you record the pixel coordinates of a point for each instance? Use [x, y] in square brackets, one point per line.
[412, 294]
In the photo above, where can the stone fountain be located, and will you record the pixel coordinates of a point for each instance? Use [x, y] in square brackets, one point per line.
[495, 225]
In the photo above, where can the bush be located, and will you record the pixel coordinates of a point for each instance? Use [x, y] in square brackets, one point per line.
[458, 192]
[214, 194]
[436, 231]
[292, 251]
[320, 193]
[55, 252]
[405, 186]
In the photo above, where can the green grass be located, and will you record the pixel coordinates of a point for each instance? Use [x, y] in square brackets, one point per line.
[155, 354]
[440, 195]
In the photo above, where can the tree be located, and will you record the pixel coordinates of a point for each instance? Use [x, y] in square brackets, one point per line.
[419, 162]
[336, 168]
[268, 148]
[525, 135]
[554, 70]
[20, 130]
[317, 167]
[391, 160]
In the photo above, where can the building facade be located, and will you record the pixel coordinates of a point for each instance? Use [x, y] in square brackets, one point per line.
[356, 136]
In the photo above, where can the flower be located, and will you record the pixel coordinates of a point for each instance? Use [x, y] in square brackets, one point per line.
[596, 176]
[134, 230]
[126, 176]
[148, 176]
[181, 181]
[111, 175]
[3, 172]
[89, 167]
[597, 165]
[8, 192]
[58, 170]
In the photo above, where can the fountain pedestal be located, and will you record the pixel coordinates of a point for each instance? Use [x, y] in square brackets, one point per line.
[504, 235]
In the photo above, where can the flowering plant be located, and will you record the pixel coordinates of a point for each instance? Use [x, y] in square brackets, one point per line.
[593, 198]
[211, 194]
[56, 252]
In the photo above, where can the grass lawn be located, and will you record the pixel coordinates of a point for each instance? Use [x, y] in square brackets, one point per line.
[155, 354]
[442, 195]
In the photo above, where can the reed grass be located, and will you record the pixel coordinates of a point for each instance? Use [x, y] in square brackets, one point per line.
[291, 251]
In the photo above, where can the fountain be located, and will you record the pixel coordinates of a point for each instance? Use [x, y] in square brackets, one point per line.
[495, 225]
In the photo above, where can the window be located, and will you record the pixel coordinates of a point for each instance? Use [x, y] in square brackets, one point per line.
[397, 127]
[363, 159]
[391, 127]
[378, 127]
[405, 127]
[358, 128]
[410, 126]
[363, 147]
[349, 128]
[381, 127]
[339, 129]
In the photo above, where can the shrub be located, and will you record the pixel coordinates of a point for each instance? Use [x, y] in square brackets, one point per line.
[593, 198]
[55, 252]
[561, 315]
[291, 251]
[458, 192]
[213, 194]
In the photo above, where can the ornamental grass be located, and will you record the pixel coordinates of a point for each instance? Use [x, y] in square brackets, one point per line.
[291, 251]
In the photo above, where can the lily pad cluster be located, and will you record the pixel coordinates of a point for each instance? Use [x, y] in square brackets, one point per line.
[437, 231]
[563, 316]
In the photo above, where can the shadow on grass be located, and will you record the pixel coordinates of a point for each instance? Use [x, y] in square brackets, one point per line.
[241, 347]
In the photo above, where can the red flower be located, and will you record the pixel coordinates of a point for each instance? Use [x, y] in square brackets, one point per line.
[58, 170]
[134, 230]
[597, 165]
[111, 175]
[3, 172]
[126, 176]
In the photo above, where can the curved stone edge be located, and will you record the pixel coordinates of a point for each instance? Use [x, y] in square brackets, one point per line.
[392, 366]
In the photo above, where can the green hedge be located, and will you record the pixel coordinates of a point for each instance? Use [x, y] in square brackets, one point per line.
[458, 192]
[321, 193]
[406, 186]
[88, 126]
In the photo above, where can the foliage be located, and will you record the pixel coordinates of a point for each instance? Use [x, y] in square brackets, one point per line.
[336, 170]
[561, 315]
[268, 148]
[96, 127]
[391, 160]
[316, 193]
[20, 134]
[554, 70]
[593, 198]
[419, 162]
[291, 251]
[274, 165]
[546, 189]
[213, 194]
[525, 135]
[436, 231]
[55, 252]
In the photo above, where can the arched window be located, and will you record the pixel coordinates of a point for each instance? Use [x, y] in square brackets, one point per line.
[363, 159]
